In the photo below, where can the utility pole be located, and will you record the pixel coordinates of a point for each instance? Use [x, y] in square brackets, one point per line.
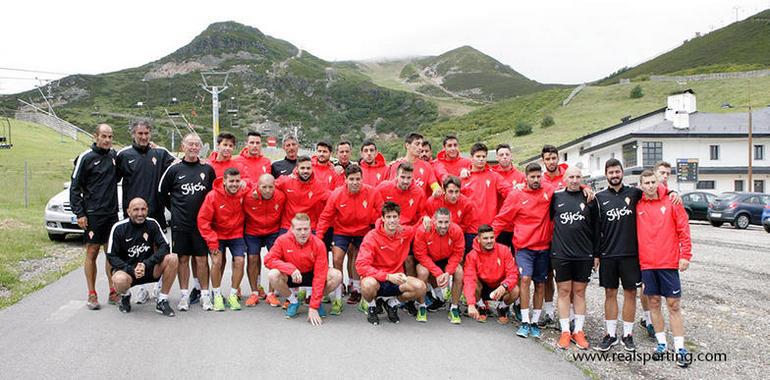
[214, 90]
[751, 144]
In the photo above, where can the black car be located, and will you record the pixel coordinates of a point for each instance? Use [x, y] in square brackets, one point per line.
[738, 209]
[696, 204]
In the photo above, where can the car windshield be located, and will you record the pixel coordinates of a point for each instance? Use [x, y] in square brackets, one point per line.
[726, 196]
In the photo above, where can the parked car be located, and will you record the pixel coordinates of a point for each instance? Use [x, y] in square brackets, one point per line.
[738, 209]
[766, 218]
[696, 204]
[59, 219]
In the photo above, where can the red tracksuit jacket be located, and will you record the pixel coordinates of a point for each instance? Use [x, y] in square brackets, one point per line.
[221, 166]
[325, 173]
[528, 211]
[376, 172]
[350, 214]
[423, 176]
[412, 201]
[463, 212]
[484, 187]
[253, 167]
[381, 254]
[308, 197]
[493, 268]
[263, 216]
[221, 215]
[287, 255]
[445, 167]
[558, 181]
[663, 230]
[430, 247]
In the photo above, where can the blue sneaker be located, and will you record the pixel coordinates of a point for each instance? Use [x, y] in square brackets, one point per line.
[534, 330]
[517, 312]
[523, 330]
[321, 311]
[650, 330]
[683, 358]
[660, 350]
[292, 310]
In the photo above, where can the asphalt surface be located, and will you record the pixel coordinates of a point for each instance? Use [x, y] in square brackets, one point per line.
[51, 334]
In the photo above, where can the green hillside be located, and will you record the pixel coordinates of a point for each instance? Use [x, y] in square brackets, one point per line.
[740, 46]
[593, 109]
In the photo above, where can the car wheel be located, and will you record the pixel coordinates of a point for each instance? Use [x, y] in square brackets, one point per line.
[741, 222]
[767, 229]
[716, 224]
[57, 237]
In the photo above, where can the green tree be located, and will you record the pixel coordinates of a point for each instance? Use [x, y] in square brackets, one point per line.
[547, 121]
[522, 129]
[636, 92]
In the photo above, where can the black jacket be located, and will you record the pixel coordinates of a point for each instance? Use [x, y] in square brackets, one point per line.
[283, 167]
[617, 222]
[574, 226]
[131, 244]
[182, 190]
[94, 186]
[141, 169]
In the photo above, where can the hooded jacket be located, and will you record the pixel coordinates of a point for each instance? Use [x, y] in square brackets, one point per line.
[287, 255]
[376, 172]
[350, 214]
[221, 215]
[411, 200]
[263, 216]
[528, 211]
[463, 212]
[381, 254]
[485, 187]
[253, 166]
[493, 268]
[306, 197]
[221, 166]
[444, 166]
[663, 230]
[430, 247]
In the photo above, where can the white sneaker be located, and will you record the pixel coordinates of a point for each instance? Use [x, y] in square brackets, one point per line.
[142, 295]
[184, 304]
[206, 303]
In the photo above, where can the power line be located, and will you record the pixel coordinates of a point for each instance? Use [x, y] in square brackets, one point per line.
[33, 71]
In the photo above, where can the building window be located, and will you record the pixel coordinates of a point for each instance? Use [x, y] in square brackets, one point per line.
[759, 186]
[652, 152]
[564, 158]
[598, 163]
[738, 185]
[714, 152]
[759, 152]
[629, 154]
[705, 185]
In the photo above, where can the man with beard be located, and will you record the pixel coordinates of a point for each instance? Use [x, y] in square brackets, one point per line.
[448, 160]
[182, 189]
[512, 176]
[426, 152]
[286, 166]
[323, 169]
[253, 163]
[304, 194]
[484, 186]
[372, 162]
[462, 209]
[423, 175]
[94, 201]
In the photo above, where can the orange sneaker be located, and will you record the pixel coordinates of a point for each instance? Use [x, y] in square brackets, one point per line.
[580, 340]
[253, 300]
[564, 340]
[502, 319]
[272, 300]
[261, 292]
[285, 305]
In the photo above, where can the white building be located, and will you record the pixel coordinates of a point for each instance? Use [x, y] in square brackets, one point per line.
[717, 141]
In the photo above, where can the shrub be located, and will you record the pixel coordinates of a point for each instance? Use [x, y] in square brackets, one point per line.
[522, 129]
[547, 121]
[636, 92]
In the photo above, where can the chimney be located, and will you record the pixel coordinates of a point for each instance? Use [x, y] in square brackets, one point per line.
[679, 107]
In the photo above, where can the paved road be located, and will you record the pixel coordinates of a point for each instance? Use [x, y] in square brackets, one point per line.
[51, 334]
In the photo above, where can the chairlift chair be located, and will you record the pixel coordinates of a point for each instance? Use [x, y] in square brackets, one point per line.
[5, 136]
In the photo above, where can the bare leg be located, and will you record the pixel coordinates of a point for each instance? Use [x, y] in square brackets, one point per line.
[565, 290]
[184, 272]
[629, 305]
[89, 266]
[413, 289]
[675, 317]
[122, 282]
[167, 269]
[457, 285]
[369, 288]
[610, 304]
[237, 277]
[253, 267]
[202, 266]
[279, 281]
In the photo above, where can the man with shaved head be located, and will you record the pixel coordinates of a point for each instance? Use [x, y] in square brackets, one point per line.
[262, 210]
[183, 187]
[94, 201]
[139, 254]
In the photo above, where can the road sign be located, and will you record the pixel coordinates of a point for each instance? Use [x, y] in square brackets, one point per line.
[687, 170]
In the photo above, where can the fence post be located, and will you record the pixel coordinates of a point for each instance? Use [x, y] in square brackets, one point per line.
[26, 184]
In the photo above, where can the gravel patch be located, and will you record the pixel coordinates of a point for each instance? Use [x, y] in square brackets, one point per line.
[59, 257]
[5, 292]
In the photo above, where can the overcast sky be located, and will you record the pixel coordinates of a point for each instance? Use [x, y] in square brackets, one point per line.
[549, 41]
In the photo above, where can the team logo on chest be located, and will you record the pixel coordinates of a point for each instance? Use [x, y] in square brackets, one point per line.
[422, 171]
[628, 201]
[310, 195]
[459, 213]
[411, 202]
[276, 207]
[203, 176]
[365, 203]
[378, 176]
[499, 262]
[545, 195]
[154, 161]
[145, 236]
[582, 206]
[663, 210]
[488, 182]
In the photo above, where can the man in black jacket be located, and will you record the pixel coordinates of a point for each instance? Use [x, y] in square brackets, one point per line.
[139, 254]
[287, 165]
[94, 201]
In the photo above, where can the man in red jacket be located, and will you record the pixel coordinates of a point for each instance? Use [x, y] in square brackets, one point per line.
[448, 160]
[490, 274]
[512, 176]
[299, 259]
[220, 221]
[222, 158]
[251, 160]
[350, 212]
[423, 176]
[439, 251]
[262, 210]
[555, 176]
[323, 169]
[304, 194]
[373, 165]
[484, 186]
[528, 211]
[463, 211]
[380, 263]
[665, 248]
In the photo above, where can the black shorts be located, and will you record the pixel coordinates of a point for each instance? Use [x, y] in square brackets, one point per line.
[486, 291]
[328, 239]
[146, 279]
[188, 243]
[442, 264]
[624, 269]
[99, 227]
[307, 281]
[468, 242]
[572, 270]
[388, 289]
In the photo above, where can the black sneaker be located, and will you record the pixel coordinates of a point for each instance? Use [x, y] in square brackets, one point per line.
[628, 343]
[483, 312]
[517, 312]
[546, 321]
[410, 308]
[195, 296]
[164, 308]
[371, 316]
[606, 343]
[125, 303]
[380, 306]
[436, 305]
[393, 313]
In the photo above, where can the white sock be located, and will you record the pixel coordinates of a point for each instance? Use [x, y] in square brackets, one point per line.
[357, 285]
[524, 315]
[196, 283]
[678, 342]
[205, 293]
[549, 309]
[517, 302]
[216, 292]
[373, 302]
[162, 297]
[564, 323]
[580, 319]
[628, 328]
[612, 326]
[571, 312]
[438, 293]
[338, 292]
[419, 305]
[293, 296]
[233, 291]
[393, 301]
[185, 293]
[480, 303]
[661, 337]
[536, 315]
[648, 316]
[454, 306]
